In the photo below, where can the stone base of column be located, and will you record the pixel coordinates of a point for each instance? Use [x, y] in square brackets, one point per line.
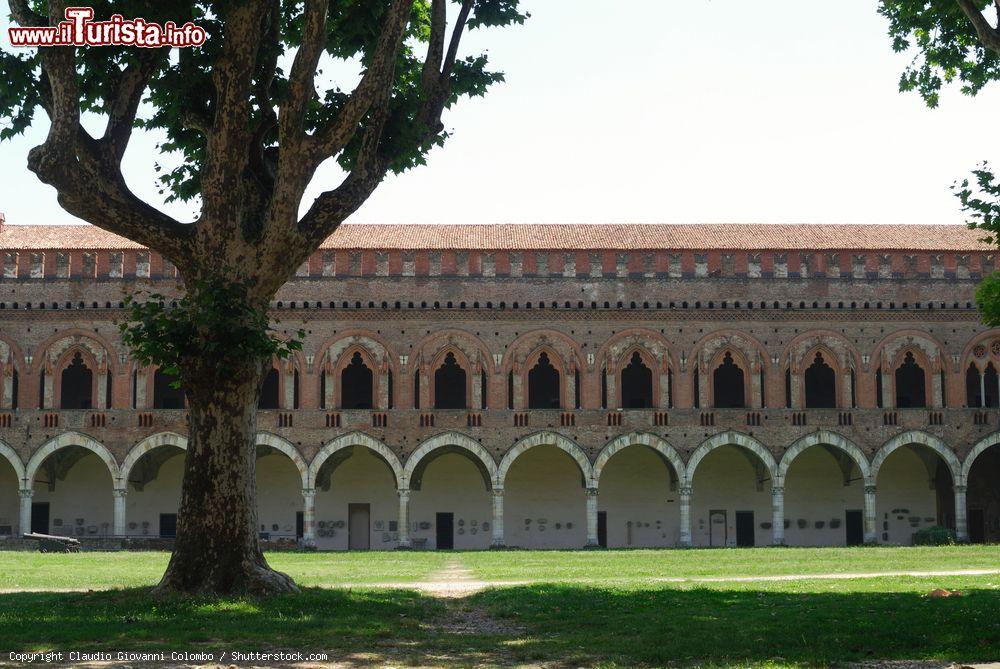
[498, 546]
[590, 545]
[684, 543]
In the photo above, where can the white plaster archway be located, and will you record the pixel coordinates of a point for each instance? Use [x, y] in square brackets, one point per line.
[11, 456]
[548, 439]
[977, 450]
[638, 439]
[71, 439]
[825, 438]
[347, 441]
[450, 439]
[145, 446]
[730, 438]
[286, 447]
[925, 439]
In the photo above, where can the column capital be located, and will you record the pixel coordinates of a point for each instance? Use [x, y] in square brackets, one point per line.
[498, 491]
[686, 490]
[592, 492]
[119, 492]
[777, 490]
[404, 493]
[309, 492]
[26, 493]
[961, 489]
[870, 489]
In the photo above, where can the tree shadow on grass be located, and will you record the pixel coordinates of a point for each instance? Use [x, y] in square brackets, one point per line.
[558, 625]
[666, 625]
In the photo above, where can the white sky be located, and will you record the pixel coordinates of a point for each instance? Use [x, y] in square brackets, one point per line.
[662, 111]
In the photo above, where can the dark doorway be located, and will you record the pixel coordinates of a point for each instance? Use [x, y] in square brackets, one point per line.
[168, 525]
[164, 395]
[543, 385]
[854, 526]
[445, 528]
[718, 528]
[821, 385]
[77, 385]
[300, 525]
[356, 385]
[269, 390]
[40, 517]
[910, 384]
[637, 384]
[602, 529]
[358, 527]
[744, 529]
[976, 522]
[727, 382]
[449, 384]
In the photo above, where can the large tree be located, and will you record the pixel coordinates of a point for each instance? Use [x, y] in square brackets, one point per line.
[249, 117]
[955, 41]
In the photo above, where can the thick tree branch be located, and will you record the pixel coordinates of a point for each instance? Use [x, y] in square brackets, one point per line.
[123, 103]
[300, 78]
[25, 16]
[331, 139]
[435, 45]
[988, 34]
[227, 152]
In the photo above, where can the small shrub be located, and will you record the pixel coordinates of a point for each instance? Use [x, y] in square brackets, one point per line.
[934, 535]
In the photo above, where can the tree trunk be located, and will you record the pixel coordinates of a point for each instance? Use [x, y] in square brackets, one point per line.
[217, 550]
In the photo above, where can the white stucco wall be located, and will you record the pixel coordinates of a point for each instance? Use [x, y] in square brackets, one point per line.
[85, 494]
[361, 479]
[904, 493]
[544, 484]
[161, 495]
[815, 491]
[725, 480]
[279, 495]
[635, 493]
[9, 501]
[452, 484]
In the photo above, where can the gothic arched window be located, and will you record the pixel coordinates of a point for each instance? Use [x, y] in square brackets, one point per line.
[727, 383]
[356, 385]
[910, 384]
[821, 385]
[449, 384]
[637, 384]
[77, 385]
[543, 385]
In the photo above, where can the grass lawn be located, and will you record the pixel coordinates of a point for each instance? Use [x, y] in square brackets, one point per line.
[618, 619]
[639, 564]
[99, 570]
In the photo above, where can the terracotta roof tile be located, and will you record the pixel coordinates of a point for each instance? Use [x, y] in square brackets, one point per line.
[750, 237]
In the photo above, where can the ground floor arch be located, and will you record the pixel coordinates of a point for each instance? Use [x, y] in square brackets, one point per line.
[450, 502]
[356, 500]
[914, 490]
[638, 502]
[824, 498]
[153, 492]
[10, 485]
[731, 497]
[545, 500]
[982, 478]
[73, 493]
[280, 516]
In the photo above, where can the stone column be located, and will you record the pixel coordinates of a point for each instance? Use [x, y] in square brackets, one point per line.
[328, 390]
[102, 388]
[475, 379]
[592, 517]
[7, 392]
[961, 526]
[383, 389]
[404, 518]
[309, 517]
[288, 402]
[664, 390]
[25, 519]
[778, 515]
[119, 526]
[871, 531]
[889, 389]
[498, 539]
[982, 389]
[613, 401]
[140, 390]
[47, 389]
[756, 392]
[570, 401]
[685, 538]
